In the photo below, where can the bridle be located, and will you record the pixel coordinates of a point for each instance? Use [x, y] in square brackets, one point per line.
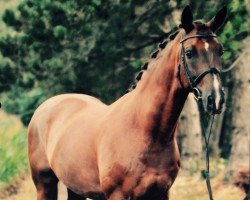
[193, 82]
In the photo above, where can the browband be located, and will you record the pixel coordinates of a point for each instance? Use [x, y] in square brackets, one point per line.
[197, 36]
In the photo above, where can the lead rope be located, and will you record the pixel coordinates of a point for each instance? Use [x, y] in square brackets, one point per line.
[206, 135]
[207, 176]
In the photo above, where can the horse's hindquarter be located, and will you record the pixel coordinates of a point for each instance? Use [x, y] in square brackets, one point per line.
[66, 127]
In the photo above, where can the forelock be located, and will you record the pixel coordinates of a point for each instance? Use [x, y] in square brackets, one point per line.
[201, 27]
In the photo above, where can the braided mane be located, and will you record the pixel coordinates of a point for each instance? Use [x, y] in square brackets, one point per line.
[144, 67]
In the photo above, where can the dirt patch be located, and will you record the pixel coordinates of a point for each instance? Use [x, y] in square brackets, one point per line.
[193, 187]
[23, 188]
[18, 189]
[12, 188]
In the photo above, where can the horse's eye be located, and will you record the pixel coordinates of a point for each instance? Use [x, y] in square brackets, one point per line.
[189, 54]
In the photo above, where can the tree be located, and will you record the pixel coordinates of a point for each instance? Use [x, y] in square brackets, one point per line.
[189, 135]
[240, 31]
[240, 153]
[85, 47]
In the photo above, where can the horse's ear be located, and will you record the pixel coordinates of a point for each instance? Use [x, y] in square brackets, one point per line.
[218, 20]
[187, 19]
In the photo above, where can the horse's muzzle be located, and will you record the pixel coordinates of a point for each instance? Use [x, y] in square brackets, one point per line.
[215, 103]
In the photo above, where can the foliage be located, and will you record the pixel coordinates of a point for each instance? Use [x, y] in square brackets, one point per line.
[12, 148]
[90, 46]
[14, 160]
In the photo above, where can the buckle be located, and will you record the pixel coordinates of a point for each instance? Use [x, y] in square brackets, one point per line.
[197, 94]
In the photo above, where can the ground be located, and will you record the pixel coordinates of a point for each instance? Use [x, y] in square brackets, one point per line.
[186, 187]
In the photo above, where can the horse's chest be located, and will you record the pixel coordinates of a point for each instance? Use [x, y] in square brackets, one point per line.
[158, 176]
[154, 182]
[152, 175]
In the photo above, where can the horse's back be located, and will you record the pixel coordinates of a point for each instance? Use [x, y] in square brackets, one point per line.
[61, 109]
[68, 102]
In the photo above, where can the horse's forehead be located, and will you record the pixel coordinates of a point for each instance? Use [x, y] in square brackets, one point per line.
[206, 43]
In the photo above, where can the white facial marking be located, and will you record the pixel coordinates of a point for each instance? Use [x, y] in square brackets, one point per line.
[206, 46]
[217, 91]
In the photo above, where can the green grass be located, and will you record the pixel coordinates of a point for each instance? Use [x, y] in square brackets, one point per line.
[13, 148]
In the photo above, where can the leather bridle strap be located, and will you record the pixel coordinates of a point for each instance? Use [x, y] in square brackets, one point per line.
[194, 82]
[211, 70]
[197, 36]
[206, 133]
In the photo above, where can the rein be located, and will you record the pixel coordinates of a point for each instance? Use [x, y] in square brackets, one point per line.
[206, 133]
[193, 82]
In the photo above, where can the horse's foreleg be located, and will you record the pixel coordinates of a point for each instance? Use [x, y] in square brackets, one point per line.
[155, 196]
[74, 196]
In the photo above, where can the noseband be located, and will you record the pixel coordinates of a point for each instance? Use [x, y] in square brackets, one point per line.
[193, 82]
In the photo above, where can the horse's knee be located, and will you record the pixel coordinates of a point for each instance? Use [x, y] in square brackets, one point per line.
[46, 184]
[74, 196]
[154, 192]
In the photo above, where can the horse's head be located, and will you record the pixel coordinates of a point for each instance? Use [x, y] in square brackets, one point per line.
[200, 61]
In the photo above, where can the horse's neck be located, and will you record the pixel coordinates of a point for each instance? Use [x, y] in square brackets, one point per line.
[159, 97]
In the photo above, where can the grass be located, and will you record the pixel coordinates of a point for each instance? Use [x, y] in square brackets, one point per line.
[13, 148]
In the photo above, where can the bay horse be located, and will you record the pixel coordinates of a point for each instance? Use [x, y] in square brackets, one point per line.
[127, 150]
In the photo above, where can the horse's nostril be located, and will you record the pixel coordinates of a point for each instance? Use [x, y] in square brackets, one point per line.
[210, 100]
[222, 100]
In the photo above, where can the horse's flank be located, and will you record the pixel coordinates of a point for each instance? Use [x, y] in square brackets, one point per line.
[92, 147]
